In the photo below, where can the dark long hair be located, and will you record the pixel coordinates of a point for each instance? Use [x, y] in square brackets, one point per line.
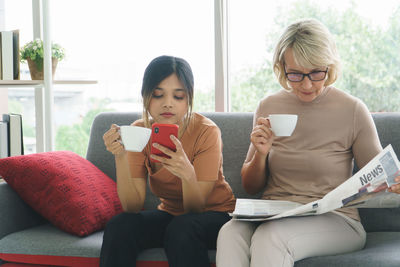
[159, 69]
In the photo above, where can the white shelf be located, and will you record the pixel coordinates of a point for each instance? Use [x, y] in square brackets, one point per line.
[39, 102]
[12, 83]
[43, 88]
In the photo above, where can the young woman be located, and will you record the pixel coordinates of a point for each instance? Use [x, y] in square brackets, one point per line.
[195, 198]
[333, 127]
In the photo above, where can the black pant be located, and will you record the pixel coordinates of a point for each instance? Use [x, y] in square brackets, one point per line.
[185, 238]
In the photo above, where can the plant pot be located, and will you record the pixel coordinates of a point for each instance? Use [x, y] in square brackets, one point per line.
[38, 74]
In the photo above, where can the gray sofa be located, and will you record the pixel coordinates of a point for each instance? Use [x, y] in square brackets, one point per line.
[23, 231]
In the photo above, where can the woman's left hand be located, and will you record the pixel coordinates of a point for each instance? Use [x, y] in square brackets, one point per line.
[396, 187]
[178, 163]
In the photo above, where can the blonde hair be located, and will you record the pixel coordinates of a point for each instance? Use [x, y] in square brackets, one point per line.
[312, 45]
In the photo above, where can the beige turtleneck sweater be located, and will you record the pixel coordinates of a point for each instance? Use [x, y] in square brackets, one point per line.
[330, 131]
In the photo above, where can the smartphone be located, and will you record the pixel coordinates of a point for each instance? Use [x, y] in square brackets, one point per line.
[160, 133]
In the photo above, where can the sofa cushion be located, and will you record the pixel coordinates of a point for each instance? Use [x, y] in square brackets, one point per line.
[65, 188]
[46, 244]
[381, 249]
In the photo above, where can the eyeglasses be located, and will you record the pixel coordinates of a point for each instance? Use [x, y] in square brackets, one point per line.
[313, 76]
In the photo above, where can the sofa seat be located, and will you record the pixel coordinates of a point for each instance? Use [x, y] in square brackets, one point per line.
[46, 244]
[381, 249]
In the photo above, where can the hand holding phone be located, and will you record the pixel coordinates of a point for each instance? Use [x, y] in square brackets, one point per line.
[160, 133]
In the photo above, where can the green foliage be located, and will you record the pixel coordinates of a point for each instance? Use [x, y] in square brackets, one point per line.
[72, 138]
[34, 51]
[76, 137]
[370, 63]
[250, 86]
[203, 101]
[370, 57]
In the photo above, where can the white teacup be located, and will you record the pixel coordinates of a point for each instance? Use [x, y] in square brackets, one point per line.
[134, 138]
[282, 124]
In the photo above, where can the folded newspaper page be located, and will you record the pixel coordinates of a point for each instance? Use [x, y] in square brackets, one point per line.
[259, 209]
[365, 189]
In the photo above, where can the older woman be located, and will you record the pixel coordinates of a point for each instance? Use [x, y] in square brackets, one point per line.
[333, 128]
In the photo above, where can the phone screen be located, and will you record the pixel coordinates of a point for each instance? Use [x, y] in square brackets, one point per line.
[160, 134]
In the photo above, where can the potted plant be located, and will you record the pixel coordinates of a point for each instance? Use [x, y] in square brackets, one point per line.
[32, 52]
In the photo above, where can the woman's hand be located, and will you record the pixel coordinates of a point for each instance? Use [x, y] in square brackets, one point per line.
[112, 140]
[178, 163]
[396, 187]
[262, 137]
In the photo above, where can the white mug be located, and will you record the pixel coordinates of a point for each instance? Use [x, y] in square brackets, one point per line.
[134, 138]
[282, 124]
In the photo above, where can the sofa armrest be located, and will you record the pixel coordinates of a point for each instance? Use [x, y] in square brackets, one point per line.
[15, 214]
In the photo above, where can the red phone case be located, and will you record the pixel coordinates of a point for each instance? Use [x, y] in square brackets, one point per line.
[160, 133]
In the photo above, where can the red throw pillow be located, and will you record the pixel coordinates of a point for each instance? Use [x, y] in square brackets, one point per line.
[65, 188]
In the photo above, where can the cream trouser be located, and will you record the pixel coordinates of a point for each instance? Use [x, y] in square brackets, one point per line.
[282, 242]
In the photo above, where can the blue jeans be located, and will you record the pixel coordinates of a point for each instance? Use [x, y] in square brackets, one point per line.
[186, 238]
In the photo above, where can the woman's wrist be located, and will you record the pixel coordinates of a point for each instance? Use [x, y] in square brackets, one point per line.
[259, 157]
[120, 156]
[191, 176]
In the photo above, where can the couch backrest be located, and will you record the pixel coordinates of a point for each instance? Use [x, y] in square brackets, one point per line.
[235, 129]
[385, 219]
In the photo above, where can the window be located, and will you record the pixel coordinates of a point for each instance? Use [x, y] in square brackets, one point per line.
[112, 42]
[367, 35]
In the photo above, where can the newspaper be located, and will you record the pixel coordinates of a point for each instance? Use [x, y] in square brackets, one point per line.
[365, 189]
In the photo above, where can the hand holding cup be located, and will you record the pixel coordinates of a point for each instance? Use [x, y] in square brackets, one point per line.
[261, 136]
[112, 140]
[126, 138]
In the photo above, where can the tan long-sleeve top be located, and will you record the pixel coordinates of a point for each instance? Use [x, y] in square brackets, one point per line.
[330, 131]
[202, 144]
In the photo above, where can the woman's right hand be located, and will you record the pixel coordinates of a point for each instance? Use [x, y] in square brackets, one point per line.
[112, 140]
[262, 137]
